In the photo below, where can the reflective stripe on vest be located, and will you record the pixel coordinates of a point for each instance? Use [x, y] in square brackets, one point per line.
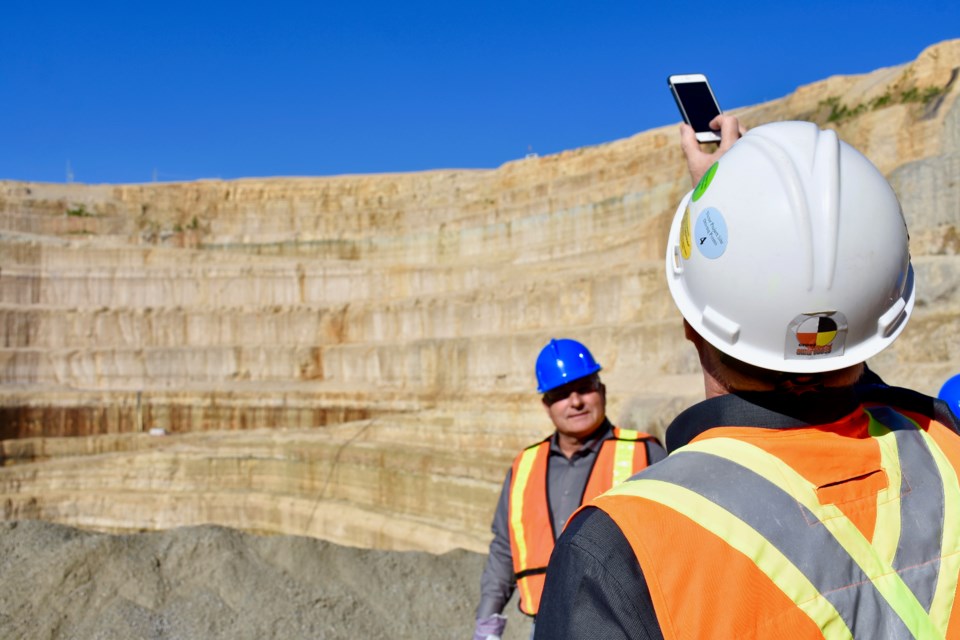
[902, 585]
[531, 527]
[628, 455]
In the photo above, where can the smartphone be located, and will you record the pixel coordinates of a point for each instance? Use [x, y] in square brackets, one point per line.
[697, 104]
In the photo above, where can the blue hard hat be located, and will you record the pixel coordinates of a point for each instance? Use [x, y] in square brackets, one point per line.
[563, 361]
[950, 393]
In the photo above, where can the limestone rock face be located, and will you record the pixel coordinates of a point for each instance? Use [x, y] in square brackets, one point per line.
[351, 357]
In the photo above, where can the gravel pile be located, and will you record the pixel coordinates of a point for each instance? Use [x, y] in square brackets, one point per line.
[212, 582]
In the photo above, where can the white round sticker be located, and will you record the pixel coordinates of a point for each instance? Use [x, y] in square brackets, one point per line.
[710, 233]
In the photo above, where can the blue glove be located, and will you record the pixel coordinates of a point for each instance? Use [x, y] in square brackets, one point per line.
[490, 628]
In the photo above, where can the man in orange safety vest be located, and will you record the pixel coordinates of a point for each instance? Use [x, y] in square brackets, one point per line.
[585, 456]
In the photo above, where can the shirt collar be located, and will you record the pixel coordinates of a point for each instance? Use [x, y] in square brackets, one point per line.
[763, 410]
[601, 433]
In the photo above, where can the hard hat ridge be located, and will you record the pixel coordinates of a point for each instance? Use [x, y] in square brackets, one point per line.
[809, 172]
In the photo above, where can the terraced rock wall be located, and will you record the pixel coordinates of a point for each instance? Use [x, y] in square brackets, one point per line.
[351, 357]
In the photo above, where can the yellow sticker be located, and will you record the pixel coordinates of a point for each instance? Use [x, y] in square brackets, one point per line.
[686, 239]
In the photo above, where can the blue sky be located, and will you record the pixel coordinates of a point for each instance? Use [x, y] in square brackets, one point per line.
[124, 92]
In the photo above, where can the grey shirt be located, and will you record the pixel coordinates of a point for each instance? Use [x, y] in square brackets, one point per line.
[566, 482]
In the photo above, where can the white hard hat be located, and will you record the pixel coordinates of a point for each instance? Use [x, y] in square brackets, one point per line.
[792, 253]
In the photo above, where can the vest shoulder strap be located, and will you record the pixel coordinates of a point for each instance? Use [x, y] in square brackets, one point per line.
[630, 435]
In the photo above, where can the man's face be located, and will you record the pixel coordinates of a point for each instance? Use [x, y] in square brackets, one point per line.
[577, 408]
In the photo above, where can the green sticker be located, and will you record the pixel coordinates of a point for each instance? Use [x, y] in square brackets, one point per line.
[704, 182]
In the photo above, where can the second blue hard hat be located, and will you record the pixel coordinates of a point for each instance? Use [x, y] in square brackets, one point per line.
[950, 393]
[563, 361]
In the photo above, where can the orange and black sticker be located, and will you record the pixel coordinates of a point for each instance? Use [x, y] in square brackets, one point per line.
[816, 335]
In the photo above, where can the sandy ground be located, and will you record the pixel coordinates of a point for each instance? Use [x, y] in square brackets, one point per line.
[212, 582]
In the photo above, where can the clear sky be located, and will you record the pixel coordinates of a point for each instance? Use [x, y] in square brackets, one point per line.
[131, 91]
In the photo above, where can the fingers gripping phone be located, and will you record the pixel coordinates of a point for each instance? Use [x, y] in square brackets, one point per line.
[697, 104]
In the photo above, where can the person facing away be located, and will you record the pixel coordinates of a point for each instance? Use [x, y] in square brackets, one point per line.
[796, 501]
[548, 480]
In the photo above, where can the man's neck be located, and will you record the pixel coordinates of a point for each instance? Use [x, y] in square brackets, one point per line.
[712, 387]
[569, 445]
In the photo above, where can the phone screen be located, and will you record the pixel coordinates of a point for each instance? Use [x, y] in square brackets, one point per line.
[698, 102]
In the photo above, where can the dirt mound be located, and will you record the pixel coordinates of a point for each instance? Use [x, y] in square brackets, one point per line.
[211, 582]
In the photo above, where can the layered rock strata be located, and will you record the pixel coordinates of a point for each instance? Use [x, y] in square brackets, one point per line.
[350, 357]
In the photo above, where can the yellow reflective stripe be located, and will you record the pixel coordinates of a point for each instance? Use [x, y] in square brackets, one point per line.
[527, 459]
[745, 539]
[883, 576]
[887, 529]
[945, 595]
[623, 460]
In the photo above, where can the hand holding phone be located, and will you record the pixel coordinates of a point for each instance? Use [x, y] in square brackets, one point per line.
[697, 104]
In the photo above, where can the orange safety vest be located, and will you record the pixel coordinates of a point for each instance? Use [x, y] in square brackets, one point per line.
[846, 530]
[532, 534]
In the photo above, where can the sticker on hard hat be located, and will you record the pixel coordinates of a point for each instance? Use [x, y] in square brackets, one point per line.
[816, 335]
[710, 233]
[705, 181]
[686, 243]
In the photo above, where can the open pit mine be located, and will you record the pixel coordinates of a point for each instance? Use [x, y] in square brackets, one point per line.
[350, 358]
